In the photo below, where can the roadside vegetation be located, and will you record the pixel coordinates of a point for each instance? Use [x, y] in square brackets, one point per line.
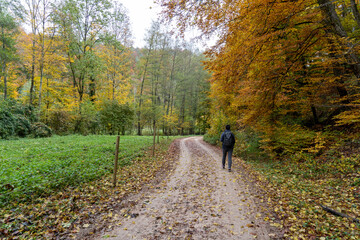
[307, 189]
[47, 185]
[35, 167]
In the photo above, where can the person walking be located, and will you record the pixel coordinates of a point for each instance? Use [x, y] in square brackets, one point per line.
[228, 142]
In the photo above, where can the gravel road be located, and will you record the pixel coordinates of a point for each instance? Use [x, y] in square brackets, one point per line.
[199, 200]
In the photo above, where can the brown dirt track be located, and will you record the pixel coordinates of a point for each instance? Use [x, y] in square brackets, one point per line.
[198, 200]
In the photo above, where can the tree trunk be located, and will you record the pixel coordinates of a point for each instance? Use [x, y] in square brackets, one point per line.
[92, 88]
[113, 88]
[355, 12]
[141, 93]
[332, 19]
[182, 110]
[153, 150]
[3, 69]
[5, 79]
[43, 50]
[32, 84]
[316, 119]
[40, 84]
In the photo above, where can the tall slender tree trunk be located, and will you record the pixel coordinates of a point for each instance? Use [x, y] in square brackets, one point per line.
[47, 95]
[40, 84]
[3, 67]
[315, 116]
[32, 79]
[42, 60]
[141, 93]
[154, 138]
[182, 110]
[114, 75]
[113, 88]
[5, 79]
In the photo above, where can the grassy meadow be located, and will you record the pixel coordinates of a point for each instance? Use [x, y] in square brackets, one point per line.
[36, 167]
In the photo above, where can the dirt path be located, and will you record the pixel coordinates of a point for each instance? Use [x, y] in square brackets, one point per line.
[199, 200]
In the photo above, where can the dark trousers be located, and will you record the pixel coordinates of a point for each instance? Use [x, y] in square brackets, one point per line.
[229, 152]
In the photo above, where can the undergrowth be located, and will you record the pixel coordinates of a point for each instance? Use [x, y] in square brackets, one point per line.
[68, 210]
[35, 167]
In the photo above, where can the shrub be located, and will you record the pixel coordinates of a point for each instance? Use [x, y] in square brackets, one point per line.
[7, 124]
[39, 129]
[87, 122]
[60, 122]
[22, 127]
[116, 117]
[247, 144]
[212, 139]
[286, 140]
[15, 118]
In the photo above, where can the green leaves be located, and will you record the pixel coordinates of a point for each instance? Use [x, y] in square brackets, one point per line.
[116, 117]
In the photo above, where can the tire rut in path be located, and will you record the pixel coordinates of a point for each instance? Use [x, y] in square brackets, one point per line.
[198, 201]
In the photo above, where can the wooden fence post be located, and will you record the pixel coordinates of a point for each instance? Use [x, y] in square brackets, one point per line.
[116, 159]
[153, 150]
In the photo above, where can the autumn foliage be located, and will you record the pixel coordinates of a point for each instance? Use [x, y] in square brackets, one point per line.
[67, 59]
[285, 74]
[288, 69]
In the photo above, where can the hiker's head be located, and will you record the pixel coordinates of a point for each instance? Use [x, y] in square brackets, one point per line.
[227, 127]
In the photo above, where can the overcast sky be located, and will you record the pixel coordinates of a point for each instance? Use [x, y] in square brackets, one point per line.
[141, 13]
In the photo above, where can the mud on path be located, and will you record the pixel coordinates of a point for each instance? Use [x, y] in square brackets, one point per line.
[199, 200]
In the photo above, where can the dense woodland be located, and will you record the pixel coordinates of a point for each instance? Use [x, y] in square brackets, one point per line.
[285, 71]
[68, 66]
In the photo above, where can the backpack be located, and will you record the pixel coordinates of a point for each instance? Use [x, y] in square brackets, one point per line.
[228, 139]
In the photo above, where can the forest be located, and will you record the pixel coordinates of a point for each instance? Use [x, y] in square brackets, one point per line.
[285, 71]
[69, 67]
[285, 74]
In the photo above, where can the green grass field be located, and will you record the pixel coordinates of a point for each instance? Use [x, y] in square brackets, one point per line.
[31, 168]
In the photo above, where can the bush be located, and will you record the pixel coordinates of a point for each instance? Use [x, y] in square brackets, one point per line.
[22, 127]
[60, 122]
[212, 139]
[87, 122]
[286, 140]
[7, 124]
[247, 144]
[15, 119]
[116, 118]
[39, 129]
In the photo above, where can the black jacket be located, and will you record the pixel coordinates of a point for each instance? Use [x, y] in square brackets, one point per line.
[222, 139]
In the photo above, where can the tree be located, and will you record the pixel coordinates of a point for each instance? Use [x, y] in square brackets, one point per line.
[32, 10]
[81, 24]
[9, 11]
[151, 44]
[117, 57]
[280, 67]
[172, 79]
[116, 117]
[46, 37]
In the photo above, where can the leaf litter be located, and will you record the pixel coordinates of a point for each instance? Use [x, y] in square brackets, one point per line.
[199, 200]
[76, 212]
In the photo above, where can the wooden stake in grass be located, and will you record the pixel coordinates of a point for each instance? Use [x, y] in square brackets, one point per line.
[116, 159]
[153, 150]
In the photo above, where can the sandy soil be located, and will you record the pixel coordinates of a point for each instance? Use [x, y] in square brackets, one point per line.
[199, 200]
